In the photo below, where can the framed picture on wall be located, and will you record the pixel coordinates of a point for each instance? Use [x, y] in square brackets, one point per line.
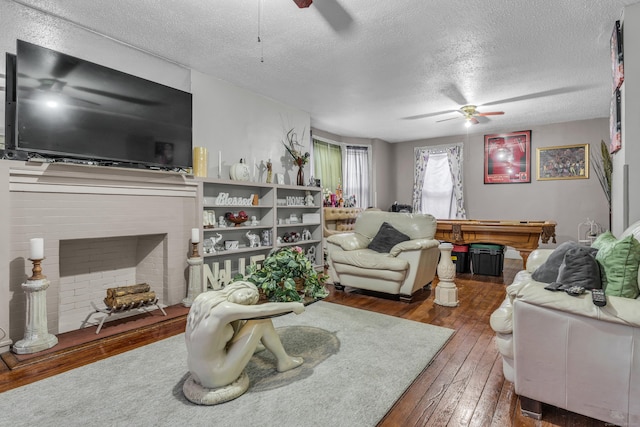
[507, 158]
[563, 162]
[615, 123]
[617, 56]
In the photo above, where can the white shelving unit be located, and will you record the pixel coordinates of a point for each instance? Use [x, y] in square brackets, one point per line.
[273, 217]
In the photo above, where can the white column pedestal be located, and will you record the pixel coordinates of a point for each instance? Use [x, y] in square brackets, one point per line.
[446, 291]
[195, 286]
[36, 335]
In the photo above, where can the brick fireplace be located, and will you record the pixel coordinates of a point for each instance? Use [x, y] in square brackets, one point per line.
[102, 227]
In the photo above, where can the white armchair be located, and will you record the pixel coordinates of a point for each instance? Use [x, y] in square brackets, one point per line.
[406, 267]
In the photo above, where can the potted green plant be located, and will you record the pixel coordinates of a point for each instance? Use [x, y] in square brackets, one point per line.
[603, 167]
[278, 274]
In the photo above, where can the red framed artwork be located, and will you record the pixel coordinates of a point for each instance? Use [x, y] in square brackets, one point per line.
[617, 56]
[507, 158]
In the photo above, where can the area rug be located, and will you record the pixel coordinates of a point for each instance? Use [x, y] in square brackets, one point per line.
[357, 364]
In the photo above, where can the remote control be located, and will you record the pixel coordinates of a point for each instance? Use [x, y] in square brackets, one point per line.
[575, 290]
[598, 297]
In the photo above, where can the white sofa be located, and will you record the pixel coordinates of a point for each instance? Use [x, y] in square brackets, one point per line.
[407, 267]
[565, 351]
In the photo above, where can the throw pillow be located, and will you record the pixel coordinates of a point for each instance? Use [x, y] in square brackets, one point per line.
[619, 261]
[387, 238]
[548, 271]
[579, 268]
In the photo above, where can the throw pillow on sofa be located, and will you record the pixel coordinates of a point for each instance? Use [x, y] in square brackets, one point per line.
[387, 238]
[579, 268]
[548, 271]
[619, 261]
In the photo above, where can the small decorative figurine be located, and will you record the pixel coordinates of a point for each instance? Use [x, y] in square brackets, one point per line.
[221, 222]
[308, 200]
[311, 254]
[269, 172]
[214, 242]
[254, 240]
[306, 234]
[266, 238]
[254, 221]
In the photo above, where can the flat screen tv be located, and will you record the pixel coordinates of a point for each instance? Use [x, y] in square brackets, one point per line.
[69, 108]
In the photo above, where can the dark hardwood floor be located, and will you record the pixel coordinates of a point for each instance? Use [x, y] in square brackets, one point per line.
[463, 385]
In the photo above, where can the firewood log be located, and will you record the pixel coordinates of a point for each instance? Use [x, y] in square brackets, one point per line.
[131, 300]
[126, 290]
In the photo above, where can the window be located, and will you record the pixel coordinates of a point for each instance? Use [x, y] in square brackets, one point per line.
[438, 181]
[327, 164]
[356, 174]
[345, 165]
[437, 189]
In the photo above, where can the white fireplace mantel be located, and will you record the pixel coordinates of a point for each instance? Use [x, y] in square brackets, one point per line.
[61, 201]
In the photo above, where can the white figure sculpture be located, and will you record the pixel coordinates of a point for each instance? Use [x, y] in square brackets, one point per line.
[254, 221]
[221, 222]
[222, 334]
[254, 239]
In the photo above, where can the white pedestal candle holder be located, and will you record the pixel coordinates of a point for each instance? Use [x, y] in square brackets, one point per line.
[195, 286]
[446, 291]
[36, 334]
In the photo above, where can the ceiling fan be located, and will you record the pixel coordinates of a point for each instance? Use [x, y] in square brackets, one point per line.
[470, 112]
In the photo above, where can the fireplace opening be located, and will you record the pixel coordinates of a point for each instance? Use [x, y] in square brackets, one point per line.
[88, 267]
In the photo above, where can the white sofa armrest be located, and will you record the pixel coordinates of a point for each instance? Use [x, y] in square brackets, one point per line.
[537, 258]
[413, 245]
[349, 241]
[501, 319]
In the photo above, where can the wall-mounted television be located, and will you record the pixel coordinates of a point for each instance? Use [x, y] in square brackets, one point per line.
[66, 108]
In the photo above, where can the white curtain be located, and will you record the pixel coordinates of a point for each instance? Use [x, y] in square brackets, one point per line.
[356, 174]
[438, 181]
[437, 189]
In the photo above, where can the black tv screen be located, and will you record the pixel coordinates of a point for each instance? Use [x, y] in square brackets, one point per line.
[69, 107]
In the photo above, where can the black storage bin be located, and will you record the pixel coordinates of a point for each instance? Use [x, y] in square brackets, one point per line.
[487, 260]
[460, 257]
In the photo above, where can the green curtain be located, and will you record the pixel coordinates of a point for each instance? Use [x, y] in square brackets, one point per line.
[327, 161]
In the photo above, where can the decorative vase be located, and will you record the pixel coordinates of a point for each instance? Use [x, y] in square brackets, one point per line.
[240, 171]
[300, 179]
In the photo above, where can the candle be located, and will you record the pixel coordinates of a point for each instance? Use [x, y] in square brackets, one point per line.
[219, 164]
[200, 161]
[36, 248]
[195, 235]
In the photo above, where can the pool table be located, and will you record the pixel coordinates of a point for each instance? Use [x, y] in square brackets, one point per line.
[521, 235]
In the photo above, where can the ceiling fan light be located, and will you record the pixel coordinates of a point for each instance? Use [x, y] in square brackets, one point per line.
[467, 123]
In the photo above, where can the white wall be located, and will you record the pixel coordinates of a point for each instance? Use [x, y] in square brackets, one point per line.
[241, 124]
[568, 202]
[19, 22]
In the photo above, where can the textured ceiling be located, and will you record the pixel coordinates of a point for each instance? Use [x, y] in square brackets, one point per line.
[383, 68]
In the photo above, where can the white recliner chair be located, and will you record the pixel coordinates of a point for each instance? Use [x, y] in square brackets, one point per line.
[405, 268]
